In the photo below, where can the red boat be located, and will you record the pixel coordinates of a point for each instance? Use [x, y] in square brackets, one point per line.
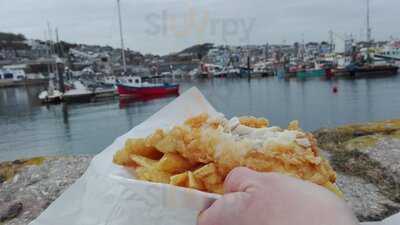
[142, 90]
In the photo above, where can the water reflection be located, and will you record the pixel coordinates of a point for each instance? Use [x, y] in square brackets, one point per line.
[131, 101]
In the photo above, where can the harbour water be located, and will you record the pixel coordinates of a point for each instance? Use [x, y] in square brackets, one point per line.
[28, 128]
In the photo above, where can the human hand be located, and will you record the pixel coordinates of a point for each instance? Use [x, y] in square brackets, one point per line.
[254, 198]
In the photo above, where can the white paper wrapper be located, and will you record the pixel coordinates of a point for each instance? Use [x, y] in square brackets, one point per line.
[108, 194]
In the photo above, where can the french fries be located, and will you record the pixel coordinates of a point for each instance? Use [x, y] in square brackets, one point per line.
[174, 163]
[153, 175]
[180, 179]
[200, 153]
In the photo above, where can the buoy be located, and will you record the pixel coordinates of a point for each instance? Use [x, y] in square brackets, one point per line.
[335, 89]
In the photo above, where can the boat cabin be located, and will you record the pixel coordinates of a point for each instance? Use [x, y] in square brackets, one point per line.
[130, 79]
[12, 74]
[211, 68]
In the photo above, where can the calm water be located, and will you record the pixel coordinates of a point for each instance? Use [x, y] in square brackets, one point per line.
[30, 129]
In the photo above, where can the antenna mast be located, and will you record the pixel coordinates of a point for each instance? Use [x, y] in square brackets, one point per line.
[122, 37]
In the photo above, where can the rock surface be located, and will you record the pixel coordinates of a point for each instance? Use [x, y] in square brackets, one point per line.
[367, 160]
[33, 188]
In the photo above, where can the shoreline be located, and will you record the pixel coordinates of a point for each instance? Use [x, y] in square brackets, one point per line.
[23, 83]
[365, 156]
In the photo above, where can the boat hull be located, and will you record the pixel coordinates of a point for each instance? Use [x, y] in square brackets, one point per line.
[311, 73]
[79, 98]
[126, 90]
[374, 71]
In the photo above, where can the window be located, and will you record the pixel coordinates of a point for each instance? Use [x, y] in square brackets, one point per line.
[8, 76]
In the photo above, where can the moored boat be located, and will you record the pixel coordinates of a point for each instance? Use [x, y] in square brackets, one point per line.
[54, 96]
[371, 70]
[309, 73]
[79, 93]
[137, 88]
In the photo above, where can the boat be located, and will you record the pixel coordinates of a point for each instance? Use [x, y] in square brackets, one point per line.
[290, 72]
[134, 87]
[390, 52]
[212, 70]
[310, 73]
[371, 70]
[245, 71]
[262, 69]
[101, 92]
[233, 72]
[109, 80]
[50, 97]
[79, 93]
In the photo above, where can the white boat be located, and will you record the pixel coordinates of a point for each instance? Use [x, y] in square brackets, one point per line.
[212, 70]
[79, 93]
[109, 80]
[390, 51]
[51, 95]
[262, 69]
[46, 97]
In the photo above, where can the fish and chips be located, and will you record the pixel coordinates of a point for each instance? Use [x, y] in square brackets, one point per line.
[200, 153]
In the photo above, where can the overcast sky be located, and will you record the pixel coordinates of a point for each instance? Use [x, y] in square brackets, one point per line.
[163, 26]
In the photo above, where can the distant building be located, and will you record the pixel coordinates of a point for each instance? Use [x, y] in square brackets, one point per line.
[37, 48]
[103, 64]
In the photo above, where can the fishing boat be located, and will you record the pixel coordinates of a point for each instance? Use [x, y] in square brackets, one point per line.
[262, 69]
[134, 87]
[372, 70]
[390, 52]
[309, 73]
[212, 70]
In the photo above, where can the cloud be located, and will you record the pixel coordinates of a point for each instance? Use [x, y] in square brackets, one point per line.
[223, 22]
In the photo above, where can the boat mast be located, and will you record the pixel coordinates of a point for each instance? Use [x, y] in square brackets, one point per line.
[121, 35]
[60, 76]
[369, 30]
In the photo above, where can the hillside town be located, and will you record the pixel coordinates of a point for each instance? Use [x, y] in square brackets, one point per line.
[23, 58]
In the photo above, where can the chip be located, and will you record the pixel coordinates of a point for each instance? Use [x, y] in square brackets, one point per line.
[152, 175]
[194, 183]
[174, 163]
[180, 179]
[144, 162]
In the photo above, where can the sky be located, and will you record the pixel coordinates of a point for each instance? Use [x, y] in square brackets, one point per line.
[165, 26]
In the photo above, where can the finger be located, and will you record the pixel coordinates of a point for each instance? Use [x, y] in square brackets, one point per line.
[239, 179]
[210, 216]
[224, 210]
